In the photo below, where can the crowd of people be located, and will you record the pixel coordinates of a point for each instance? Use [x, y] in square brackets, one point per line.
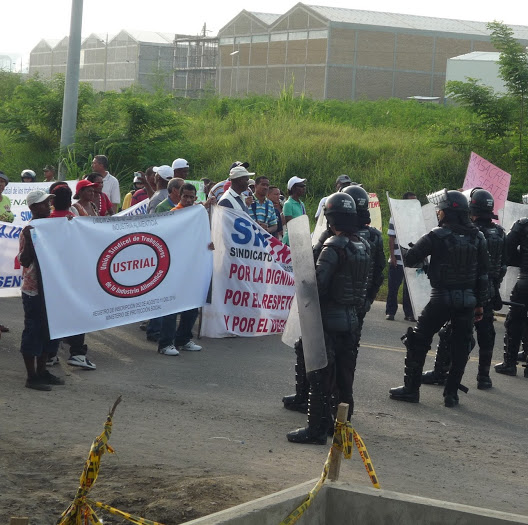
[465, 259]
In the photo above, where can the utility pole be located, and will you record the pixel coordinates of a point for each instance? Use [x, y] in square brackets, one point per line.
[71, 87]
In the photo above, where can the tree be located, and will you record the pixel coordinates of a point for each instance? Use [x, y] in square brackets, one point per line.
[501, 116]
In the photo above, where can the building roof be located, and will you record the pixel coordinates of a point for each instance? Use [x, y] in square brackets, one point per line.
[422, 23]
[266, 18]
[479, 56]
[151, 37]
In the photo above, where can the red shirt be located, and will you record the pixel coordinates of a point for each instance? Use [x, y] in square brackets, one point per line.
[61, 213]
[139, 195]
[105, 204]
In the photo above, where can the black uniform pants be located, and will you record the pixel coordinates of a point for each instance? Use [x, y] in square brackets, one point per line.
[516, 318]
[432, 318]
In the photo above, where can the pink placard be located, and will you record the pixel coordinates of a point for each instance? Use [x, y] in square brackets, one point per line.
[483, 174]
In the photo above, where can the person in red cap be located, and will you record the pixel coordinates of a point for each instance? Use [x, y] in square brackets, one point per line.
[84, 192]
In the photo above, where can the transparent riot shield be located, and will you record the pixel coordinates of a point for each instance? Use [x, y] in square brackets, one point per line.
[307, 298]
[409, 225]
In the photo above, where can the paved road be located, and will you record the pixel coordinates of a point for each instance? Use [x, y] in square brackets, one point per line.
[219, 410]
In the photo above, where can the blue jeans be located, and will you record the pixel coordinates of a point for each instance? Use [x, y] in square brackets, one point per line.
[396, 277]
[35, 336]
[169, 335]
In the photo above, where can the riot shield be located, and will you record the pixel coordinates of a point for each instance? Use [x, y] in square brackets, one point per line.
[512, 212]
[307, 297]
[429, 216]
[410, 226]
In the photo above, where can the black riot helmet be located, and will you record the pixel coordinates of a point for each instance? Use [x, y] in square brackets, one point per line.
[481, 203]
[360, 196]
[449, 200]
[340, 211]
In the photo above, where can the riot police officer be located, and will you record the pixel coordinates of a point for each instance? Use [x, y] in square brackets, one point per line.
[375, 240]
[342, 270]
[458, 272]
[516, 321]
[481, 205]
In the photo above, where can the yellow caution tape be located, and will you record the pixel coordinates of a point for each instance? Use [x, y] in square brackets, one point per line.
[80, 511]
[348, 437]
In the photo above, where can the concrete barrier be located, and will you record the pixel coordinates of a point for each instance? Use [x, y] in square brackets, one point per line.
[339, 503]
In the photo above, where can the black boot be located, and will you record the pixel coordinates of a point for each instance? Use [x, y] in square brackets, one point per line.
[521, 356]
[483, 377]
[438, 375]
[318, 415]
[509, 366]
[414, 362]
[299, 400]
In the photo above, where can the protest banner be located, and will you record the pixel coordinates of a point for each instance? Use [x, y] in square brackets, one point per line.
[375, 211]
[17, 193]
[138, 209]
[483, 174]
[100, 272]
[10, 270]
[253, 286]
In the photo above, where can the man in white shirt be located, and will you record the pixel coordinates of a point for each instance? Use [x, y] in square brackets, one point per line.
[110, 183]
[341, 182]
[233, 198]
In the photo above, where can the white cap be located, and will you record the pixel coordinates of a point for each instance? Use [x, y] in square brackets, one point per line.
[179, 163]
[165, 172]
[36, 196]
[239, 171]
[293, 181]
[138, 178]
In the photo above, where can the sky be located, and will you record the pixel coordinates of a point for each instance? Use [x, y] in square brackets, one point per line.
[25, 23]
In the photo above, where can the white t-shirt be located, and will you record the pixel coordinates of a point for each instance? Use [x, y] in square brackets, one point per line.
[320, 207]
[111, 188]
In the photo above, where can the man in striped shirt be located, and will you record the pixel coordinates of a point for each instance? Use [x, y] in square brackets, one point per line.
[262, 210]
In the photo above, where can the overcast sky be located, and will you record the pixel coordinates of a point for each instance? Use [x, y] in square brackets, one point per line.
[25, 23]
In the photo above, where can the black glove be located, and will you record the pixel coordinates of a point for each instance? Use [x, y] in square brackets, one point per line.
[496, 302]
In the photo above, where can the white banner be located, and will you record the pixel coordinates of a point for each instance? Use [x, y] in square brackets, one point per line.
[100, 272]
[138, 209]
[17, 193]
[253, 285]
[10, 270]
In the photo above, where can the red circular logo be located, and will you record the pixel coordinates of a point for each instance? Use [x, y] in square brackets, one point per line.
[133, 265]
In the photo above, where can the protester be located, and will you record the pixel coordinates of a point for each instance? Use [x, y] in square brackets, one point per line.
[172, 340]
[49, 173]
[294, 207]
[110, 183]
[221, 187]
[149, 187]
[62, 201]
[262, 210]
[5, 203]
[173, 197]
[102, 202]
[137, 184]
[72, 209]
[84, 193]
[36, 344]
[28, 176]
[341, 182]
[233, 198]
[180, 168]
[164, 174]
[397, 275]
[274, 195]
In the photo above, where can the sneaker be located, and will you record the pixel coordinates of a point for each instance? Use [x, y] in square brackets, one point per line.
[37, 383]
[81, 361]
[50, 379]
[143, 326]
[191, 346]
[389, 317]
[410, 318]
[52, 361]
[3, 328]
[169, 350]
